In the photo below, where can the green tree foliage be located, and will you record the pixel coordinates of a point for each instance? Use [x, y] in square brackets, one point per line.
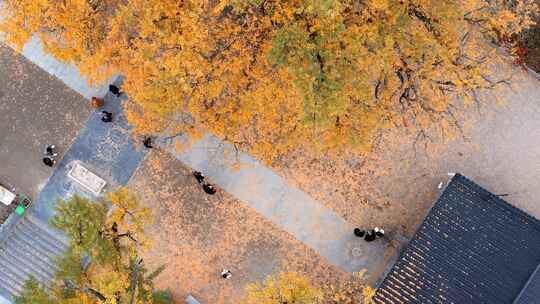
[33, 293]
[101, 264]
[81, 220]
[161, 297]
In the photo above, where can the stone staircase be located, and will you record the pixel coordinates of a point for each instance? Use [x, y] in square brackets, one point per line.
[29, 249]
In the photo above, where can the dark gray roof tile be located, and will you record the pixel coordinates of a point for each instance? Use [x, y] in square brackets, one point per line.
[472, 247]
[531, 292]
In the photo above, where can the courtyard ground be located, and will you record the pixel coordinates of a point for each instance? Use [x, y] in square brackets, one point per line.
[37, 109]
[196, 235]
[395, 188]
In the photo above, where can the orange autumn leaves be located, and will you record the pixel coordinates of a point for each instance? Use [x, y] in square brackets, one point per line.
[274, 76]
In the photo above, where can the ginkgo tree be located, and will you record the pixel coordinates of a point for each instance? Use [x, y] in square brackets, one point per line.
[271, 76]
[294, 288]
[102, 263]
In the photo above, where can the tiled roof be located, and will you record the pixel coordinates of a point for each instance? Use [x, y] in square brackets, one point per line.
[472, 247]
[531, 293]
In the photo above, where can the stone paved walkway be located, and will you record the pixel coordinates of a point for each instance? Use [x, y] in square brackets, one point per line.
[106, 149]
[287, 207]
[293, 210]
[68, 73]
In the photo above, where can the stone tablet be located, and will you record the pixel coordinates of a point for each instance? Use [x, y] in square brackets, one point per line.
[87, 179]
[6, 196]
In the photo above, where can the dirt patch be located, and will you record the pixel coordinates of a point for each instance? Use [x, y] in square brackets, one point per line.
[196, 235]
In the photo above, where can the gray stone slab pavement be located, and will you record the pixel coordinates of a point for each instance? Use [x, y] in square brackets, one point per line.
[68, 73]
[106, 149]
[287, 207]
[32, 120]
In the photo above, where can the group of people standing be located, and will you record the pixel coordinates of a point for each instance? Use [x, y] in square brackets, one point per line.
[369, 235]
[51, 153]
[207, 187]
[108, 116]
[50, 156]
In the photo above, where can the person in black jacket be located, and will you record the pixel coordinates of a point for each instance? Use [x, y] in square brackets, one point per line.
[370, 236]
[379, 232]
[147, 142]
[359, 232]
[49, 161]
[115, 90]
[226, 274]
[209, 189]
[198, 176]
[50, 150]
[106, 116]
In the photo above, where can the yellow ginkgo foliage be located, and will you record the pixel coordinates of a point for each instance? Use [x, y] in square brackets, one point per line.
[272, 76]
[294, 288]
[102, 263]
[128, 215]
[287, 287]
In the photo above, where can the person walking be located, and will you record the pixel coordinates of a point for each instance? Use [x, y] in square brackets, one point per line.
[115, 90]
[50, 150]
[370, 236]
[106, 116]
[49, 161]
[379, 232]
[359, 232]
[147, 142]
[198, 176]
[209, 189]
[226, 274]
